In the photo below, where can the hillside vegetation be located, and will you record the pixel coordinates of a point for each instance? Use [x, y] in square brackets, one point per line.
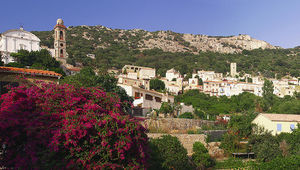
[166, 49]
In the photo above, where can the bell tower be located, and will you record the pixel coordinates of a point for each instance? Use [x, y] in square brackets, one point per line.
[60, 41]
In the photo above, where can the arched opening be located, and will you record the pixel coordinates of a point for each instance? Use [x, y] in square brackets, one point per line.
[61, 35]
[61, 53]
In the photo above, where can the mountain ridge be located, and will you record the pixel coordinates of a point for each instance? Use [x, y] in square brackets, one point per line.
[168, 41]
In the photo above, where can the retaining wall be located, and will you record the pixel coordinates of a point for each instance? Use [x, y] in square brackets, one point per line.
[169, 125]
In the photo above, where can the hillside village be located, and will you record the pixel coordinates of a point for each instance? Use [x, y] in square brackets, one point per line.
[229, 115]
[136, 81]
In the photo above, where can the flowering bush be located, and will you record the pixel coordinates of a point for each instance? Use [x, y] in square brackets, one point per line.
[60, 126]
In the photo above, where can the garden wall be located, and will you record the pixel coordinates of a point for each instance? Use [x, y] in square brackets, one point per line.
[174, 125]
[187, 140]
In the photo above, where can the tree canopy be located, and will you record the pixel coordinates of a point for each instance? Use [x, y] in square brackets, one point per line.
[157, 85]
[36, 59]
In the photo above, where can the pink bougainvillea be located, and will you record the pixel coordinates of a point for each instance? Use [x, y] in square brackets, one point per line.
[50, 125]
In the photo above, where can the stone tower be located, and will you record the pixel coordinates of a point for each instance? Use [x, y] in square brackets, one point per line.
[233, 69]
[60, 41]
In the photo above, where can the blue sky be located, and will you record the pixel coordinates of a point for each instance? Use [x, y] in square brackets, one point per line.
[275, 21]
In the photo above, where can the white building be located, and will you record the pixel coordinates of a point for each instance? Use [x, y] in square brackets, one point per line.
[126, 80]
[173, 87]
[172, 74]
[142, 72]
[208, 75]
[233, 72]
[12, 41]
[147, 99]
[227, 88]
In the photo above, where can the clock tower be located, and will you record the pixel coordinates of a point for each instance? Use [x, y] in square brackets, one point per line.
[60, 41]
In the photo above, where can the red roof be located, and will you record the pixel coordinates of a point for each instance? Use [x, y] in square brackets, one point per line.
[76, 69]
[59, 25]
[30, 71]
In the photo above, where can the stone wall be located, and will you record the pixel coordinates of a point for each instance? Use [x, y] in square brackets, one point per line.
[174, 125]
[187, 140]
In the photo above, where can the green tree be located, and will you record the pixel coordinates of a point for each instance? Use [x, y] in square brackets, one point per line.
[268, 96]
[14, 64]
[157, 85]
[187, 76]
[201, 157]
[265, 146]
[200, 81]
[241, 124]
[168, 153]
[37, 59]
[187, 115]
[166, 108]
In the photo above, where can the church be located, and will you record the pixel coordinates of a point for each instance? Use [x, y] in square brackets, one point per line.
[14, 40]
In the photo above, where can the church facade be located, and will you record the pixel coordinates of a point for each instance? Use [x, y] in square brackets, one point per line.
[12, 41]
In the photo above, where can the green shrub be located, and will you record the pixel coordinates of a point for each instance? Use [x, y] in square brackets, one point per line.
[290, 163]
[201, 157]
[234, 163]
[187, 115]
[168, 153]
[157, 84]
[199, 147]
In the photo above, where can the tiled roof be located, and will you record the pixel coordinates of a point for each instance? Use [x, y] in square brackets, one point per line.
[282, 117]
[30, 71]
[59, 25]
[76, 69]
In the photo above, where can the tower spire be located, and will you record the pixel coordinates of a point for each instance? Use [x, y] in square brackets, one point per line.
[60, 41]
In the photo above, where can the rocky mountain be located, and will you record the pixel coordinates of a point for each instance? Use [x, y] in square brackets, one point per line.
[168, 41]
[163, 50]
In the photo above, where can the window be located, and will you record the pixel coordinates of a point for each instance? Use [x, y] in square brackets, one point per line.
[61, 35]
[149, 97]
[292, 126]
[158, 99]
[61, 53]
[137, 95]
[279, 127]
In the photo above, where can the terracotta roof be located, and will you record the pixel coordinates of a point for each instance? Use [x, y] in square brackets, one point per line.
[30, 71]
[59, 25]
[76, 69]
[282, 117]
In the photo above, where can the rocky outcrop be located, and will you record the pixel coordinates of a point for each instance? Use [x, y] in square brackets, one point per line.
[167, 40]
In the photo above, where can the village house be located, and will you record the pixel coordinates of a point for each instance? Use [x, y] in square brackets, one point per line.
[229, 88]
[277, 123]
[172, 74]
[147, 99]
[141, 72]
[15, 76]
[175, 86]
[208, 75]
[193, 84]
[283, 90]
[131, 81]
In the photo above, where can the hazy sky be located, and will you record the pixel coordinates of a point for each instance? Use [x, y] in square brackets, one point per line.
[275, 21]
